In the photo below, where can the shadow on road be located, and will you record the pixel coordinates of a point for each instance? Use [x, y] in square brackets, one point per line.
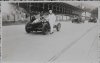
[40, 33]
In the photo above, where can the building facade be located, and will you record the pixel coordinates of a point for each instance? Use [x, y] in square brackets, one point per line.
[62, 10]
[24, 11]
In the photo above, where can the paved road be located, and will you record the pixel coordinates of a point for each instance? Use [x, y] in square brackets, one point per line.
[75, 43]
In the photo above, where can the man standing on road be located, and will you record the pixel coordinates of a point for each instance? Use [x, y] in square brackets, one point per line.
[51, 18]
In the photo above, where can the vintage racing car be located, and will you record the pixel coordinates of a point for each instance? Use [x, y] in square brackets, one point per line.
[77, 20]
[92, 20]
[42, 25]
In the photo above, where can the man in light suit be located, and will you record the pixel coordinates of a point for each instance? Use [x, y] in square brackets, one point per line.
[51, 18]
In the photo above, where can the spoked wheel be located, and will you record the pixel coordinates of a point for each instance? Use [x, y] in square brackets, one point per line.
[28, 28]
[58, 27]
[45, 29]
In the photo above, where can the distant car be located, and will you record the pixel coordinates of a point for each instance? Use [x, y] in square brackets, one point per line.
[92, 20]
[43, 26]
[77, 20]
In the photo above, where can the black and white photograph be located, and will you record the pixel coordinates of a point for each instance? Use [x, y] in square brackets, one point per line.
[50, 0]
[50, 32]
[0, 31]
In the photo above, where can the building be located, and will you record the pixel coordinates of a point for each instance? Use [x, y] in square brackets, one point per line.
[22, 11]
[94, 12]
[62, 10]
[13, 13]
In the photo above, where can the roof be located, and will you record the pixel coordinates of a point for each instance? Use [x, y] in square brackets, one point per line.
[61, 4]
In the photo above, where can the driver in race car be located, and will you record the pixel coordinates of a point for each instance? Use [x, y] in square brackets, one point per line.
[51, 19]
[37, 18]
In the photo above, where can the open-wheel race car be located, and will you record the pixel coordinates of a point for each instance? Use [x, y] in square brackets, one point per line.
[77, 20]
[42, 25]
[94, 20]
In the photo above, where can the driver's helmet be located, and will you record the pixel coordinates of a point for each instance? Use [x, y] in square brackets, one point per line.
[33, 18]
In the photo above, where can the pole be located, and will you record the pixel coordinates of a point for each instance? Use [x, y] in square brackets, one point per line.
[30, 10]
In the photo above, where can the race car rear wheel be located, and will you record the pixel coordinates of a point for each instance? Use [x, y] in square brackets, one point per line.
[45, 29]
[58, 27]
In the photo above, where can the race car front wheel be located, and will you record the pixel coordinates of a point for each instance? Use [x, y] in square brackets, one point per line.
[58, 27]
[45, 29]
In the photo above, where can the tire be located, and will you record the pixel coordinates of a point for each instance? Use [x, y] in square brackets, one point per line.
[95, 21]
[58, 27]
[72, 21]
[45, 29]
[27, 29]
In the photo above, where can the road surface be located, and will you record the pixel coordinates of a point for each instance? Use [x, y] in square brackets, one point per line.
[74, 43]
